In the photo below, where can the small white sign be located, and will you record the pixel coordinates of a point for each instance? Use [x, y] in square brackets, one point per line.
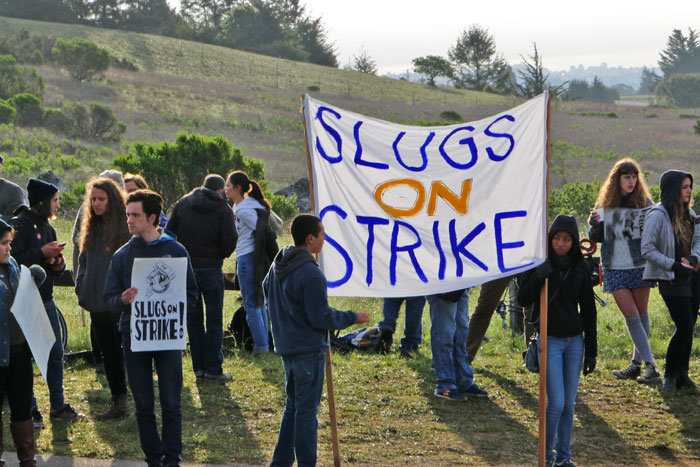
[159, 311]
[30, 314]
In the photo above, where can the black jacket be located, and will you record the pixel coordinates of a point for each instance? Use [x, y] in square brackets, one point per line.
[31, 233]
[572, 310]
[203, 222]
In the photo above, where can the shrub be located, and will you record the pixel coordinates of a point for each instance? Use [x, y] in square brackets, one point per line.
[96, 123]
[83, 58]
[57, 121]
[651, 116]
[313, 88]
[598, 114]
[575, 199]
[696, 127]
[28, 107]
[8, 114]
[17, 80]
[451, 116]
[688, 116]
[681, 89]
[173, 169]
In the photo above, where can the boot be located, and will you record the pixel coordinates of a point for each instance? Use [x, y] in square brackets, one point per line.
[669, 384]
[683, 381]
[23, 434]
[119, 408]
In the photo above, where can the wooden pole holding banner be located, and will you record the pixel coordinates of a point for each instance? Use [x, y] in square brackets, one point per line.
[542, 446]
[329, 364]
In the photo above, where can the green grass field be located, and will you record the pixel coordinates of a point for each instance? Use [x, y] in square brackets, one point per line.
[387, 414]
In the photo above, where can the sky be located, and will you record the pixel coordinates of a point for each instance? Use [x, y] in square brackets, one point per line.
[615, 32]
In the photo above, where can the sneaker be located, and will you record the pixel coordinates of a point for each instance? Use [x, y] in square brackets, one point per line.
[65, 414]
[37, 418]
[223, 377]
[451, 395]
[650, 375]
[566, 463]
[631, 372]
[475, 391]
[409, 352]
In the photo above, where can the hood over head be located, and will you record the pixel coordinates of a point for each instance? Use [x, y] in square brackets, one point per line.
[564, 223]
[670, 184]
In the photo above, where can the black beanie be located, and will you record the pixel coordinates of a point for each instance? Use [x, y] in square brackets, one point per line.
[38, 190]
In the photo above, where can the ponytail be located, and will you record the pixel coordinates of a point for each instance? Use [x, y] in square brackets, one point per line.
[249, 187]
[257, 194]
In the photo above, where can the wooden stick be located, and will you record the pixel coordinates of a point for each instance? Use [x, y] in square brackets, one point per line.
[329, 366]
[542, 446]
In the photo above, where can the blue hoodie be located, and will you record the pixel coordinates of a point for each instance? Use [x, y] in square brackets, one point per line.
[297, 302]
[119, 274]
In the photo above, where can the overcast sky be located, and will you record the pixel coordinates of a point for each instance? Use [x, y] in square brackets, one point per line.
[615, 32]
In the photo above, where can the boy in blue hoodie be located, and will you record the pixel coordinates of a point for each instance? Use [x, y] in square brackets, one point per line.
[143, 209]
[297, 302]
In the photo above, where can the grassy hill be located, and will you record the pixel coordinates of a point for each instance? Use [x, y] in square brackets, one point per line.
[254, 101]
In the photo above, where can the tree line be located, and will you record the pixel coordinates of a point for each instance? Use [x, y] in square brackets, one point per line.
[279, 28]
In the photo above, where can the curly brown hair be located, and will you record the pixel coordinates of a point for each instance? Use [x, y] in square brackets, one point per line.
[610, 195]
[112, 224]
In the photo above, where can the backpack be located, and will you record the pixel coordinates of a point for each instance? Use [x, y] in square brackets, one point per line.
[239, 329]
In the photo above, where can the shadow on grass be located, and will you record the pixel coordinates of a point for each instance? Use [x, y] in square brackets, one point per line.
[683, 405]
[481, 422]
[211, 425]
[600, 442]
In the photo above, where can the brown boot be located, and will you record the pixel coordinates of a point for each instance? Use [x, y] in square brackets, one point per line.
[119, 408]
[23, 434]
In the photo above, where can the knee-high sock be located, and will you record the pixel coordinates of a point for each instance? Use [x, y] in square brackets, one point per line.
[645, 323]
[640, 340]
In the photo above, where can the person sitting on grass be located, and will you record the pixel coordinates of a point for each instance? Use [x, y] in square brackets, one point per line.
[297, 302]
[571, 328]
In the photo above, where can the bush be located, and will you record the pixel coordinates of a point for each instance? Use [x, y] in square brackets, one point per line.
[651, 116]
[696, 127]
[57, 121]
[688, 116]
[17, 80]
[28, 107]
[451, 116]
[313, 88]
[173, 169]
[83, 58]
[682, 90]
[96, 123]
[575, 199]
[8, 114]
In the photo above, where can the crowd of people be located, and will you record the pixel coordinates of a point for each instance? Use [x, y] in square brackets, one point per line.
[285, 298]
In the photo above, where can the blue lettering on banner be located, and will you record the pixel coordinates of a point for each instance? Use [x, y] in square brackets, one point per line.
[461, 247]
[494, 157]
[370, 222]
[407, 248]
[443, 261]
[334, 134]
[501, 245]
[468, 141]
[358, 151]
[343, 252]
[424, 155]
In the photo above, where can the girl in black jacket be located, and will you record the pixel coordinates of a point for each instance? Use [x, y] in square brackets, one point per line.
[571, 328]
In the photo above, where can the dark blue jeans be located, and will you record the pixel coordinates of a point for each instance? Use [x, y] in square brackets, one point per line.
[299, 428]
[413, 327]
[139, 370]
[54, 369]
[205, 344]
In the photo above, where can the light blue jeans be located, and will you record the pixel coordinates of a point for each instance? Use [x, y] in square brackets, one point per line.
[564, 360]
[413, 328]
[449, 326]
[255, 315]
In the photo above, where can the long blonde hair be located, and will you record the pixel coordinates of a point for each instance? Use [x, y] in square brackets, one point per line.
[610, 195]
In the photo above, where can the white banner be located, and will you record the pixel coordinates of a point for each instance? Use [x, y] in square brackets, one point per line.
[419, 210]
[159, 312]
[30, 314]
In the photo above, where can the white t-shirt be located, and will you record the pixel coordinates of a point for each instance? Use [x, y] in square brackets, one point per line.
[246, 218]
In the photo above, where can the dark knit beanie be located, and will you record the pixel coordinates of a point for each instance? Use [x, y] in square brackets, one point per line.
[38, 190]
